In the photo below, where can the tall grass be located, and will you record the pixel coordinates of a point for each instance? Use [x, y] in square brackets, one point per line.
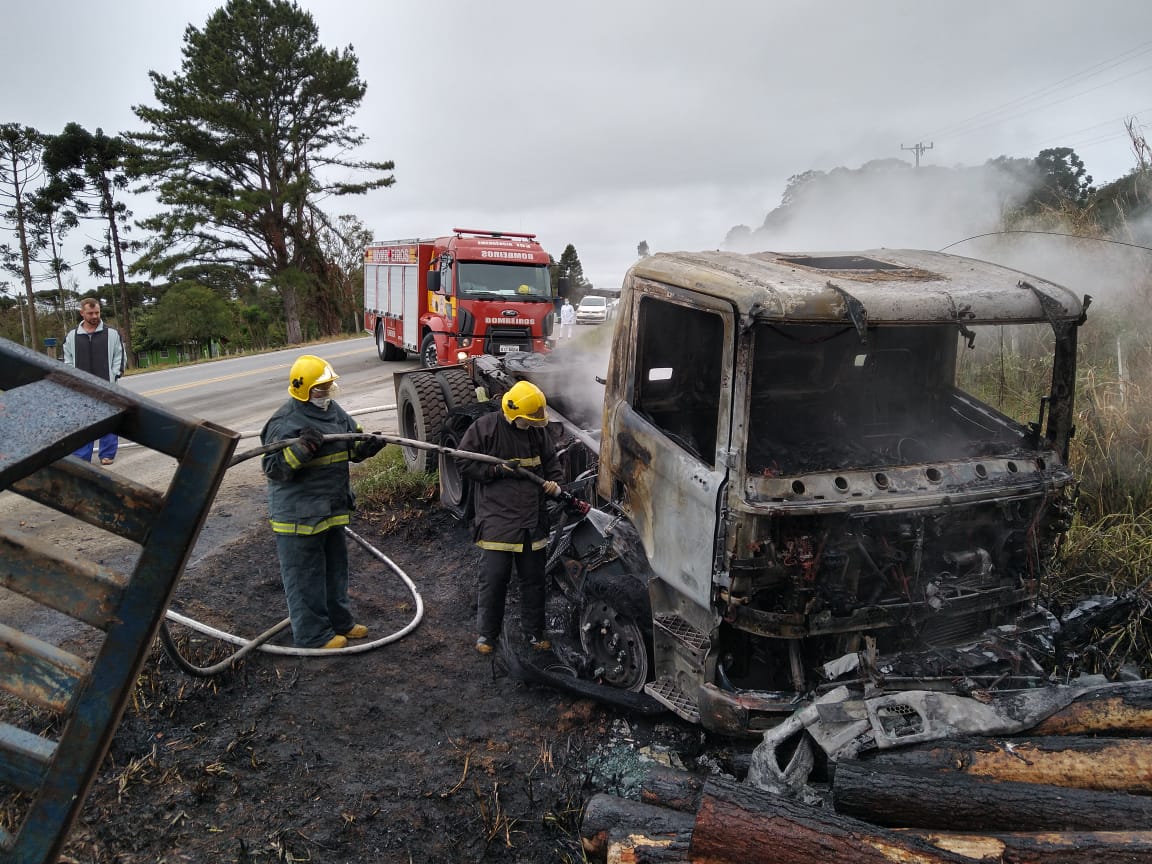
[1109, 546]
[384, 482]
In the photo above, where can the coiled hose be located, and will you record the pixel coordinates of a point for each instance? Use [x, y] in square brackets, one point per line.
[247, 646]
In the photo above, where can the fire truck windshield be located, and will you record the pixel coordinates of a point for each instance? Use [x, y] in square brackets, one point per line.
[498, 281]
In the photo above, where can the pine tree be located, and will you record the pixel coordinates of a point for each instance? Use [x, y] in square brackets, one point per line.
[241, 145]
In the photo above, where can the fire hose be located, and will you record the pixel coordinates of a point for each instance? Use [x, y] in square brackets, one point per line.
[259, 643]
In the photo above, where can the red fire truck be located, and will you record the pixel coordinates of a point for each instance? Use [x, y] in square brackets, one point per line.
[474, 292]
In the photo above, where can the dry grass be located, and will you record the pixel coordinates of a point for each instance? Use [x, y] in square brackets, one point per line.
[1108, 550]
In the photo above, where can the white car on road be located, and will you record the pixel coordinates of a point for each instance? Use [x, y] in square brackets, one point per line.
[592, 310]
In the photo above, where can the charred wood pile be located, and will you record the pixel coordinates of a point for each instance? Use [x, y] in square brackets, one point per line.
[1074, 787]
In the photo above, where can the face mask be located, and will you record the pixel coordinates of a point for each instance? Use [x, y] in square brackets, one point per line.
[321, 402]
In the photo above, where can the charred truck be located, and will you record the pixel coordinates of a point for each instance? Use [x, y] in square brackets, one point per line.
[474, 292]
[787, 470]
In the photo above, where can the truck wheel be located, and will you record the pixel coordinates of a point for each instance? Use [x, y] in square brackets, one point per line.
[385, 349]
[458, 388]
[421, 410]
[615, 632]
[428, 358]
[454, 486]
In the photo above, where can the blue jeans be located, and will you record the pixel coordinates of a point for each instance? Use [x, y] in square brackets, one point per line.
[108, 445]
[314, 570]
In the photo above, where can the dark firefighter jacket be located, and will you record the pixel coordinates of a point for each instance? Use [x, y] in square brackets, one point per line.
[313, 496]
[508, 510]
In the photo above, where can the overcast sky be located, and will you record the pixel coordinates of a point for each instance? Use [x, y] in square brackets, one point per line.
[602, 124]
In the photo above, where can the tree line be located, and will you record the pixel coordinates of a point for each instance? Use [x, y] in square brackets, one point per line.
[239, 149]
[1052, 191]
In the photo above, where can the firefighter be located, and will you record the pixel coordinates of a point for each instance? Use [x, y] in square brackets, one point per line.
[310, 500]
[510, 524]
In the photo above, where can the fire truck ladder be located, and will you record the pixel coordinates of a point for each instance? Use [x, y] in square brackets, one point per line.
[47, 411]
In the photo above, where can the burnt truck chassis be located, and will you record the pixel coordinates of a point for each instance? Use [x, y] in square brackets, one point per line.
[859, 530]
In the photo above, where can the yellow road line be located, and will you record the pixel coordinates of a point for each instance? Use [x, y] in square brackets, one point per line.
[235, 375]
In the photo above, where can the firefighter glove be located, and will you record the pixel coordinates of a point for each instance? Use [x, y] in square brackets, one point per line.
[504, 470]
[551, 488]
[310, 441]
[371, 446]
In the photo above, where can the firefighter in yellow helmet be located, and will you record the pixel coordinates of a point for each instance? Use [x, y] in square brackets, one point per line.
[310, 501]
[510, 524]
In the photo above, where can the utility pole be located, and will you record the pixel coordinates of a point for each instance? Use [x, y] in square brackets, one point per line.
[918, 148]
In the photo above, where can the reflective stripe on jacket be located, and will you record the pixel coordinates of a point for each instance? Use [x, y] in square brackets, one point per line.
[309, 496]
[510, 511]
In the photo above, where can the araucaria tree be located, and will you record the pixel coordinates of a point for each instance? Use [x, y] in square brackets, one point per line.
[20, 171]
[245, 141]
[88, 172]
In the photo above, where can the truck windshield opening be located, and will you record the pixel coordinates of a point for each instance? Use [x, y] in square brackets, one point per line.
[821, 400]
[513, 281]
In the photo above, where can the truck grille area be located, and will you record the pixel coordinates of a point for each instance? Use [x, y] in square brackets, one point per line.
[504, 340]
[929, 577]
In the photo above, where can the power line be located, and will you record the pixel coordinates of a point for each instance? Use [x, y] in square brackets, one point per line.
[1044, 105]
[1047, 233]
[1089, 72]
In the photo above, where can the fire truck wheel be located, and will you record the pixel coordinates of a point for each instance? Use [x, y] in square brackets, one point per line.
[421, 410]
[385, 349]
[612, 636]
[428, 352]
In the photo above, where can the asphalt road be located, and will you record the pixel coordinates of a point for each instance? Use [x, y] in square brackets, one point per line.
[239, 393]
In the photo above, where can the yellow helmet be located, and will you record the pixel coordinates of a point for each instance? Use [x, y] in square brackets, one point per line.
[525, 401]
[308, 371]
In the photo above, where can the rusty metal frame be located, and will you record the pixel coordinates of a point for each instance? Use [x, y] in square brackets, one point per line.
[46, 412]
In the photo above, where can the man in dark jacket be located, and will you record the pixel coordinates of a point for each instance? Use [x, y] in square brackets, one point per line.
[511, 523]
[310, 501]
[97, 349]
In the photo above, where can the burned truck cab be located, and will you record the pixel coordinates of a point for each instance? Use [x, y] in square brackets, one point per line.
[800, 443]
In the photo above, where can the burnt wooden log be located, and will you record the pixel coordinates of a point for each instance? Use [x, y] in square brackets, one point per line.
[628, 847]
[1071, 847]
[923, 799]
[604, 812]
[740, 824]
[1122, 709]
[1106, 764]
[674, 788]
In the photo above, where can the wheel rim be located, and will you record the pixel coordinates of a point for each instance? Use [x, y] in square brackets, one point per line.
[409, 424]
[408, 430]
[381, 345]
[430, 354]
[451, 481]
[615, 644]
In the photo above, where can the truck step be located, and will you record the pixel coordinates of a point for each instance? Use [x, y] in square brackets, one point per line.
[683, 632]
[666, 691]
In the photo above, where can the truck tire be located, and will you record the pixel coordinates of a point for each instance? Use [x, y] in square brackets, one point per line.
[385, 349]
[428, 356]
[459, 390]
[455, 488]
[420, 410]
